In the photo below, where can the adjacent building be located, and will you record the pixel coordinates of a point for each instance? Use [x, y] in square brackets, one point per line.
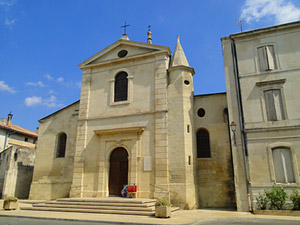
[17, 156]
[262, 72]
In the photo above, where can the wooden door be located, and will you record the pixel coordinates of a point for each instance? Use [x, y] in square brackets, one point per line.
[118, 171]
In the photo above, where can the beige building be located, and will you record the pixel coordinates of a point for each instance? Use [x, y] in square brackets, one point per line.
[17, 155]
[137, 122]
[262, 79]
[11, 134]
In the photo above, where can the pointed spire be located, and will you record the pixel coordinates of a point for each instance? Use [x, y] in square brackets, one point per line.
[179, 58]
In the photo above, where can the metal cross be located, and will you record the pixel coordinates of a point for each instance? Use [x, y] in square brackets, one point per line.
[149, 27]
[125, 25]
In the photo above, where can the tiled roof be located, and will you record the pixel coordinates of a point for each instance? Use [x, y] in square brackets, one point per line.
[19, 129]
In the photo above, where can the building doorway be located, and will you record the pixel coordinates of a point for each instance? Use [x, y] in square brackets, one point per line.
[118, 171]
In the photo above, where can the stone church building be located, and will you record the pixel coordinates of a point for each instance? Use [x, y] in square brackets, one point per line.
[138, 122]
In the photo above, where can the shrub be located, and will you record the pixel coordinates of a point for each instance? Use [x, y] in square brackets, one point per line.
[295, 197]
[163, 202]
[277, 197]
[10, 199]
[262, 201]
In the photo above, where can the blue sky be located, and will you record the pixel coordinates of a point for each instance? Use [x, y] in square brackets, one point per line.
[42, 42]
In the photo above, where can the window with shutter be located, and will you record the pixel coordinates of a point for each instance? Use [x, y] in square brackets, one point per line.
[266, 56]
[121, 87]
[274, 106]
[283, 165]
[203, 145]
[61, 145]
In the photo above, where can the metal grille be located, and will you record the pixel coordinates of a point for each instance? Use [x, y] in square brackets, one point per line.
[203, 146]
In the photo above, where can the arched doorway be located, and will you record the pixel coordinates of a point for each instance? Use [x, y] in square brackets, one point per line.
[118, 171]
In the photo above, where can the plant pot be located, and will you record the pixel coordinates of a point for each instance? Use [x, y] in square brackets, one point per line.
[10, 205]
[163, 211]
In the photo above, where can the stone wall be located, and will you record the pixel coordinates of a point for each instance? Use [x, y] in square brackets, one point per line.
[214, 174]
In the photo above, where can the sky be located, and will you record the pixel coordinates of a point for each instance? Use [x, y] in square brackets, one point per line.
[43, 41]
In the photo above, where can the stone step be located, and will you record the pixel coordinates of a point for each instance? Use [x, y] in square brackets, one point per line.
[124, 212]
[106, 207]
[116, 204]
[108, 199]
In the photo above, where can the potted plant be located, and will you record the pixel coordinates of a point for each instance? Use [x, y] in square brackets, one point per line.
[162, 208]
[10, 203]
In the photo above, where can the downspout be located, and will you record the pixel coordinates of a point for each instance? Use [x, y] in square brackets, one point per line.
[241, 118]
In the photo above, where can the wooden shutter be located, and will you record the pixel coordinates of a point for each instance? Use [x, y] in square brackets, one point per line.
[270, 57]
[262, 58]
[278, 104]
[278, 166]
[270, 107]
[266, 56]
[283, 165]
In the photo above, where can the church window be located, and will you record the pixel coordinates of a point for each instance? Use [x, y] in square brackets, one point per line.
[274, 106]
[201, 112]
[283, 165]
[266, 56]
[122, 53]
[203, 145]
[186, 82]
[61, 145]
[121, 87]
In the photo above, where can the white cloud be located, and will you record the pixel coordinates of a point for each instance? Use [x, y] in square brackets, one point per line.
[7, 3]
[51, 92]
[34, 100]
[283, 11]
[39, 83]
[48, 76]
[5, 87]
[9, 22]
[37, 100]
[60, 79]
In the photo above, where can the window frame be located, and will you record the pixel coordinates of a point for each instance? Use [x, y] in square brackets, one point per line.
[259, 61]
[129, 87]
[272, 85]
[57, 155]
[209, 147]
[294, 162]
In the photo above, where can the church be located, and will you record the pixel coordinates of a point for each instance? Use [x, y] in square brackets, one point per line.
[138, 122]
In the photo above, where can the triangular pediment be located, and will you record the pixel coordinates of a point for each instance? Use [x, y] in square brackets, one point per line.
[132, 49]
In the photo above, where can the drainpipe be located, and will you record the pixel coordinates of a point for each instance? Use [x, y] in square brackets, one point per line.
[241, 118]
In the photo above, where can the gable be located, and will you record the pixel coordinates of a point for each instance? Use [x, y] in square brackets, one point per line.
[133, 49]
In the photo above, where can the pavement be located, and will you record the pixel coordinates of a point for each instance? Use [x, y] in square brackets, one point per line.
[178, 217]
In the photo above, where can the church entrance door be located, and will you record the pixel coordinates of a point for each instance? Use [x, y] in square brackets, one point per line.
[118, 171]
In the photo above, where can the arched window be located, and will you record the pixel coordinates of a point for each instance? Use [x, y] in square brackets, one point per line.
[283, 165]
[61, 145]
[203, 146]
[121, 86]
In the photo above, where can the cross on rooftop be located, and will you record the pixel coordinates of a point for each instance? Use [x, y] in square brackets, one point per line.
[125, 25]
[149, 27]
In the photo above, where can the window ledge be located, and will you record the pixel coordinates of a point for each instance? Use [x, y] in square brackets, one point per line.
[120, 103]
[271, 82]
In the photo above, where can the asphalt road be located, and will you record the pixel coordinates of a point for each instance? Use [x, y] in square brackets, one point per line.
[5, 220]
[247, 221]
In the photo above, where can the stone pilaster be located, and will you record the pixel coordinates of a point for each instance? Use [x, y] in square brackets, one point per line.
[77, 183]
[161, 138]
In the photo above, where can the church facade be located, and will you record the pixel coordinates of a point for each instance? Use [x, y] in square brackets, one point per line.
[138, 122]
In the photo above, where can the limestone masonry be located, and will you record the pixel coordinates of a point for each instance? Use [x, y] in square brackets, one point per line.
[139, 122]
